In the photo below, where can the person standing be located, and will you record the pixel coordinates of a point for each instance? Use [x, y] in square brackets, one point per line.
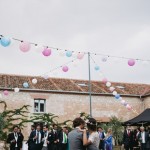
[36, 138]
[21, 138]
[108, 140]
[14, 139]
[101, 136]
[45, 138]
[92, 142]
[128, 138]
[75, 137]
[143, 138]
[63, 139]
[29, 142]
[55, 140]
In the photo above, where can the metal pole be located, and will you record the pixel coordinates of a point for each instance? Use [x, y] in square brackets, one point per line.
[89, 67]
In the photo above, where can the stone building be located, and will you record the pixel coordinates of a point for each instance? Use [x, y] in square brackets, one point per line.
[67, 97]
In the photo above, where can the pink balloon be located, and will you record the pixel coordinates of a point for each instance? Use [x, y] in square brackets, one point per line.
[123, 102]
[65, 68]
[128, 107]
[131, 62]
[104, 80]
[5, 92]
[24, 46]
[47, 52]
[80, 55]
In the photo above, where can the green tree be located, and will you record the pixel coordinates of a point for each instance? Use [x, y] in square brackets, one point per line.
[9, 118]
[116, 125]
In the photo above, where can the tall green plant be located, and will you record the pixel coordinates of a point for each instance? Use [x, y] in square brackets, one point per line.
[116, 125]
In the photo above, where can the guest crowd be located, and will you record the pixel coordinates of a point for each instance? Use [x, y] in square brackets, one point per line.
[84, 136]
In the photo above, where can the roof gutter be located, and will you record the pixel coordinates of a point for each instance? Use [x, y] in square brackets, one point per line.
[68, 92]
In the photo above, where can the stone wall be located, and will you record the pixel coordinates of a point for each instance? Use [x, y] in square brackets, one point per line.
[147, 102]
[68, 106]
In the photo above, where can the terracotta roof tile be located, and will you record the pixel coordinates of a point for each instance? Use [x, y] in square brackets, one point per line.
[12, 81]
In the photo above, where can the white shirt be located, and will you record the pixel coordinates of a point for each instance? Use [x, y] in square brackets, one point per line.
[143, 136]
[94, 138]
[45, 139]
[16, 138]
[39, 136]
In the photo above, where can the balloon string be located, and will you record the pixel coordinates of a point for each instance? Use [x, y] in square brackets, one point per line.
[58, 67]
[133, 110]
[98, 54]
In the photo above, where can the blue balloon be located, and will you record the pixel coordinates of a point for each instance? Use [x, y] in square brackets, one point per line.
[25, 85]
[117, 96]
[69, 53]
[97, 68]
[5, 41]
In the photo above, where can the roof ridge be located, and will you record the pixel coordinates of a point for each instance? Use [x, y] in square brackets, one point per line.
[32, 76]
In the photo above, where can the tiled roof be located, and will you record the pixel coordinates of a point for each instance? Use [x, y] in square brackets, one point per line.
[58, 84]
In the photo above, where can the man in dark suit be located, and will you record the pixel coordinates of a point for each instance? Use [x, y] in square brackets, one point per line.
[50, 140]
[128, 138]
[36, 138]
[14, 139]
[30, 141]
[63, 139]
[143, 138]
[55, 140]
[101, 136]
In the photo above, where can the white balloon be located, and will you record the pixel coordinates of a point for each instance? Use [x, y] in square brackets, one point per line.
[114, 93]
[16, 90]
[104, 59]
[34, 81]
[122, 101]
[0, 95]
[111, 88]
[39, 48]
[108, 84]
[62, 53]
[45, 77]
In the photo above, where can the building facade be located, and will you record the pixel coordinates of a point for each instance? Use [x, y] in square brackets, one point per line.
[66, 98]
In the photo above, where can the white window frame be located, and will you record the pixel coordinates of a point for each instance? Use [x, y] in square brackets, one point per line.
[39, 99]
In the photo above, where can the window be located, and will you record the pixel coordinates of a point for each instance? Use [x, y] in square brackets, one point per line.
[39, 105]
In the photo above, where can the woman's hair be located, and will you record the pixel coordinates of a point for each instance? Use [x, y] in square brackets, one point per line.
[109, 130]
[91, 124]
[77, 122]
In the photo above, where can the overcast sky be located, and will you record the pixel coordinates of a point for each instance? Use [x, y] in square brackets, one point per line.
[113, 27]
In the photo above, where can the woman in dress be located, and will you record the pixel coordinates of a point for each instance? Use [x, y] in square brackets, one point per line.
[92, 141]
[108, 140]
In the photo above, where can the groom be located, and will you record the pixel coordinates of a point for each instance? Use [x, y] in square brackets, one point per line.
[75, 137]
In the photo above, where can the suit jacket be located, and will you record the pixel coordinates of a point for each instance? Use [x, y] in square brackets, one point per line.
[75, 139]
[60, 136]
[103, 136]
[146, 137]
[13, 144]
[21, 139]
[128, 138]
[50, 139]
[54, 137]
[33, 134]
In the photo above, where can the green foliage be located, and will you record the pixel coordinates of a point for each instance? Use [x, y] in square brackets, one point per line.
[116, 125]
[10, 117]
[84, 115]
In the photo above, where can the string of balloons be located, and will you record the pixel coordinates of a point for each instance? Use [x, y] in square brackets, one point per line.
[112, 89]
[25, 46]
